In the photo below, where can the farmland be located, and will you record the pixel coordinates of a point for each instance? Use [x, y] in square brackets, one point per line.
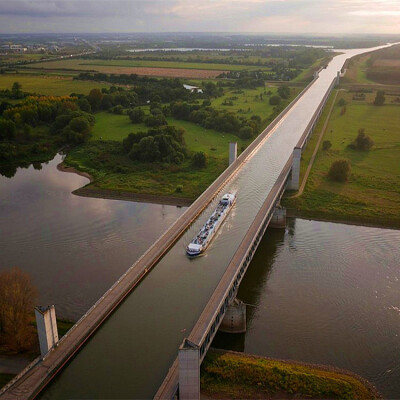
[48, 84]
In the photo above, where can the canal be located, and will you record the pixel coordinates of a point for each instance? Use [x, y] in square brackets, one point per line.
[129, 355]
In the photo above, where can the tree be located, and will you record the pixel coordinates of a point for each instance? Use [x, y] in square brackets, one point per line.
[94, 98]
[284, 92]
[17, 299]
[340, 170]
[342, 102]
[362, 141]
[274, 100]
[84, 105]
[155, 120]
[246, 132]
[16, 90]
[379, 98]
[7, 129]
[199, 159]
[79, 124]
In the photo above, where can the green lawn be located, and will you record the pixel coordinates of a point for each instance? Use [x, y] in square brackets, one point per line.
[372, 193]
[48, 85]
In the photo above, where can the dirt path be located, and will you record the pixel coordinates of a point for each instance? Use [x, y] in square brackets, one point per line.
[310, 164]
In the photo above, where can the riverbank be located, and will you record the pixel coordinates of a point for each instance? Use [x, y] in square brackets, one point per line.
[371, 195]
[114, 194]
[228, 374]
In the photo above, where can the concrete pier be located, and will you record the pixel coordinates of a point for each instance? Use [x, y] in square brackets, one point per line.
[234, 320]
[189, 371]
[47, 328]
[232, 152]
[294, 179]
[278, 219]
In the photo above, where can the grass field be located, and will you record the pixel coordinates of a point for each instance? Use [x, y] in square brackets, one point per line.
[246, 103]
[372, 194]
[153, 179]
[237, 376]
[49, 85]
[114, 66]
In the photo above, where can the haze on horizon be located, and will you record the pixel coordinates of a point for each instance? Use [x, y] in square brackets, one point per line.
[261, 16]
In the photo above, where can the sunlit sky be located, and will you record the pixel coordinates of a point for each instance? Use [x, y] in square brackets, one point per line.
[264, 16]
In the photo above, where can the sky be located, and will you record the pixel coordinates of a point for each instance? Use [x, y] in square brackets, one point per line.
[262, 16]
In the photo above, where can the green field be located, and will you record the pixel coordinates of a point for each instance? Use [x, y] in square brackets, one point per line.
[247, 104]
[117, 65]
[48, 85]
[227, 375]
[372, 194]
[105, 144]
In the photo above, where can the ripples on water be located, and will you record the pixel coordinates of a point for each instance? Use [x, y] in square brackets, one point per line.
[326, 293]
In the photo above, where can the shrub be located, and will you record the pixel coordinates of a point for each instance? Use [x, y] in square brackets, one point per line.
[246, 132]
[136, 115]
[340, 170]
[341, 102]
[284, 92]
[326, 145]
[199, 159]
[179, 189]
[362, 141]
[274, 100]
[379, 98]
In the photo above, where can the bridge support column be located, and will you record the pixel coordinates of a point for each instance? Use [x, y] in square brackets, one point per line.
[294, 179]
[338, 78]
[278, 219]
[232, 152]
[235, 318]
[189, 371]
[47, 328]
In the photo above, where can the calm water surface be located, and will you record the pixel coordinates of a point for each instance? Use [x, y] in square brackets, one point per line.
[74, 247]
[318, 292]
[326, 293]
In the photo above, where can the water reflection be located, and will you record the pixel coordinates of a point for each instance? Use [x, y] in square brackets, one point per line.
[73, 247]
[326, 293]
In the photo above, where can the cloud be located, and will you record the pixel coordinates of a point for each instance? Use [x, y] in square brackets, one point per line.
[326, 16]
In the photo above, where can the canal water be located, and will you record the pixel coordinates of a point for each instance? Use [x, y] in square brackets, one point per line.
[73, 247]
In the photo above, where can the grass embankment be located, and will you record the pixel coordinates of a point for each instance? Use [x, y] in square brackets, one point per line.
[372, 193]
[111, 169]
[48, 85]
[235, 376]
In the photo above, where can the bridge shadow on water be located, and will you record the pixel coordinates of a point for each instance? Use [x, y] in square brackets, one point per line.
[254, 283]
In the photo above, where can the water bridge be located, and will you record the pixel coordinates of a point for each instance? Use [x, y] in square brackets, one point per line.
[153, 333]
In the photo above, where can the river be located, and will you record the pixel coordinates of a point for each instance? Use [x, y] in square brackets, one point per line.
[73, 247]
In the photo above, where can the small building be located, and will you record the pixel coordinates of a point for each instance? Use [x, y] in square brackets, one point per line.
[193, 88]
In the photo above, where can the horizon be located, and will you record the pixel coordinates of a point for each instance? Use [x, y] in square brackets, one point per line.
[369, 17]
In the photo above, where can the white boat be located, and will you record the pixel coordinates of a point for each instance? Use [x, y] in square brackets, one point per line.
[199, 244]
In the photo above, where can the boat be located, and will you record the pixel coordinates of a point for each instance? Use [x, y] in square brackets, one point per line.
[202, 240]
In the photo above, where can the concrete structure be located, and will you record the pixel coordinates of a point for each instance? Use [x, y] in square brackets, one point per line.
[278, 219]
[286, 128]
[294, 180]
[47, 328]
[232, 152]
[234, 320]
[189, 371]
